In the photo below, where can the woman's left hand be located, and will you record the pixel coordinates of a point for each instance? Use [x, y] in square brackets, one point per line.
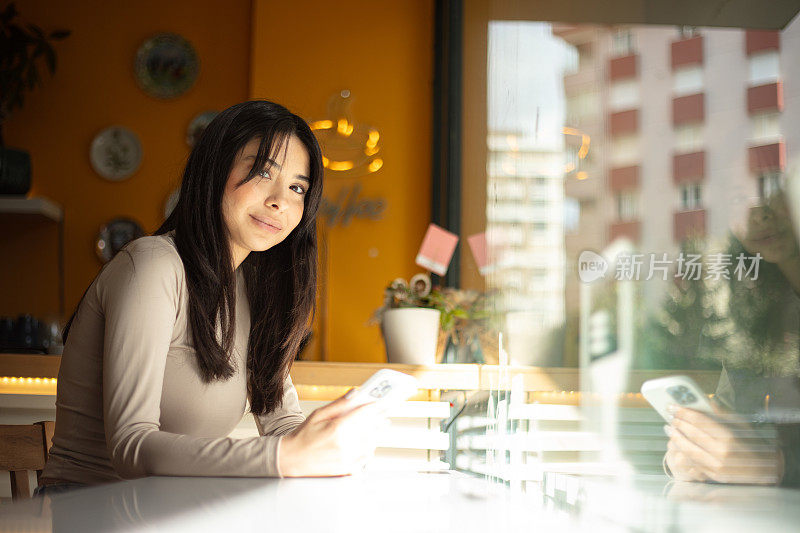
[721, 448]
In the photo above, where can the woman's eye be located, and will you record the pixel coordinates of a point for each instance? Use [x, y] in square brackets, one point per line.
[264, 174]
[298, 189]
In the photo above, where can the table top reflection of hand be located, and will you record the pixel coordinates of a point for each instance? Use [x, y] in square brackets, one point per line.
[728, 495]
[721, 448]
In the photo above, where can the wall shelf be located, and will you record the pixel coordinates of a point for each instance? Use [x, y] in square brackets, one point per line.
[20, 205]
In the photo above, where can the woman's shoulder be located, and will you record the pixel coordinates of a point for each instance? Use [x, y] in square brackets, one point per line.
[153, 246]
[148, 257]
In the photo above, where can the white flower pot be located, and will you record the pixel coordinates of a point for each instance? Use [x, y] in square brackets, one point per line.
[410, 335]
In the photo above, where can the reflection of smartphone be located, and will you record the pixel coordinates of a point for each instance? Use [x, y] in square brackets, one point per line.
[678, 390]
[387, 386]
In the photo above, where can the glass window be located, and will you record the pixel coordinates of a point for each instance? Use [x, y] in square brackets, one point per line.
[585, 57]
[624, 95]
[627, 206]
[764, 68]
[770, 185]
[691, 196]
[766, 127]
[688, 80]
[625, 150]
[689, 138]
[621, 43]
[654, 202]
[582, 105]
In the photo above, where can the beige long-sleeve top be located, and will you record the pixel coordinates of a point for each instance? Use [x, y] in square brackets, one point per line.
[131, 401]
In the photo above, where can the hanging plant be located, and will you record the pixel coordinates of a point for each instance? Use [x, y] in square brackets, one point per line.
[23, 47]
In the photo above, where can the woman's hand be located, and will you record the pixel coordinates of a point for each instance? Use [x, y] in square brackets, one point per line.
[721, 448]
[335, 440]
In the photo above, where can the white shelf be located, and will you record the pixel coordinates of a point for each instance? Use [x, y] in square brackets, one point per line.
[31, 206]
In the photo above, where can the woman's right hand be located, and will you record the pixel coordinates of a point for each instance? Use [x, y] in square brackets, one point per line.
[335, 440]
[721, 448]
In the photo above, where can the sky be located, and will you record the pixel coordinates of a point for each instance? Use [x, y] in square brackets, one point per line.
[526, 89]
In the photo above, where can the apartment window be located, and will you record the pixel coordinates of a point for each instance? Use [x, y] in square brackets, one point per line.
[585, 56]
[770, 184]
[581, 105]
[691, 196]
[573, 159]
[624, 95]
[687, 32]
[621, 43]
[625, 151]
[510, 190]
[689, 138]
[539, 226]
[512, 234]
[688, 80]
[512, 280]
[627, 206]
[765, 126]
[764, 68]
[572, 215]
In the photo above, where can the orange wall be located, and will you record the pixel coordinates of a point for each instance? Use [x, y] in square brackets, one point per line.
[93, 88]
[304, 52]
[300, 54]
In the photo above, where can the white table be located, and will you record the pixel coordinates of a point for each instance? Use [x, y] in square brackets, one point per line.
[406, 502]
[379, 502]
[656, 503]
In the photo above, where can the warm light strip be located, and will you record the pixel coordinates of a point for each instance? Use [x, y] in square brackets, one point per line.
[27, 385]
[322, 125]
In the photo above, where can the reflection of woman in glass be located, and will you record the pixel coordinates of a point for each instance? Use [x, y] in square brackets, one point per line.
[761, 375]
[184, 327]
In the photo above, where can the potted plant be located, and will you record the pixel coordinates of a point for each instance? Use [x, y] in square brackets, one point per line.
[23, 47]
[468, 322]
[415, 319]
[409, 322]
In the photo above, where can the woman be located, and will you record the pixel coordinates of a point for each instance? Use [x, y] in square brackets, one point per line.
[182, 328]
[761, 376]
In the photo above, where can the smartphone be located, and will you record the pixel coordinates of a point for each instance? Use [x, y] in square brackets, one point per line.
[678, 390]
[387, 386]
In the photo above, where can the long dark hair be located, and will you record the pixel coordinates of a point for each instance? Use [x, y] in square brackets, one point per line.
[280, 282]
[756, 305]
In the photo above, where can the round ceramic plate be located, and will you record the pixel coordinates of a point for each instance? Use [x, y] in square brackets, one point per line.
[114, 235]
[198, 125]
[116, 153]
[166, 65]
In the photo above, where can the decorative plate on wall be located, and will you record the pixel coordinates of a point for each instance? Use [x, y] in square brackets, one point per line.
[166, 65]
[116, 153]
[114, 235]
[198, 125]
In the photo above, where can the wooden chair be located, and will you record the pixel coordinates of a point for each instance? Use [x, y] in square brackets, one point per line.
[24, 448]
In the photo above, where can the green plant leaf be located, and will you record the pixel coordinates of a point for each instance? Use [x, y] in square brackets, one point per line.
[447, 321]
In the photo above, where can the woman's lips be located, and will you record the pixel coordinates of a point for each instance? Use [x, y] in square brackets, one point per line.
[269, 226]
[766, 240]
